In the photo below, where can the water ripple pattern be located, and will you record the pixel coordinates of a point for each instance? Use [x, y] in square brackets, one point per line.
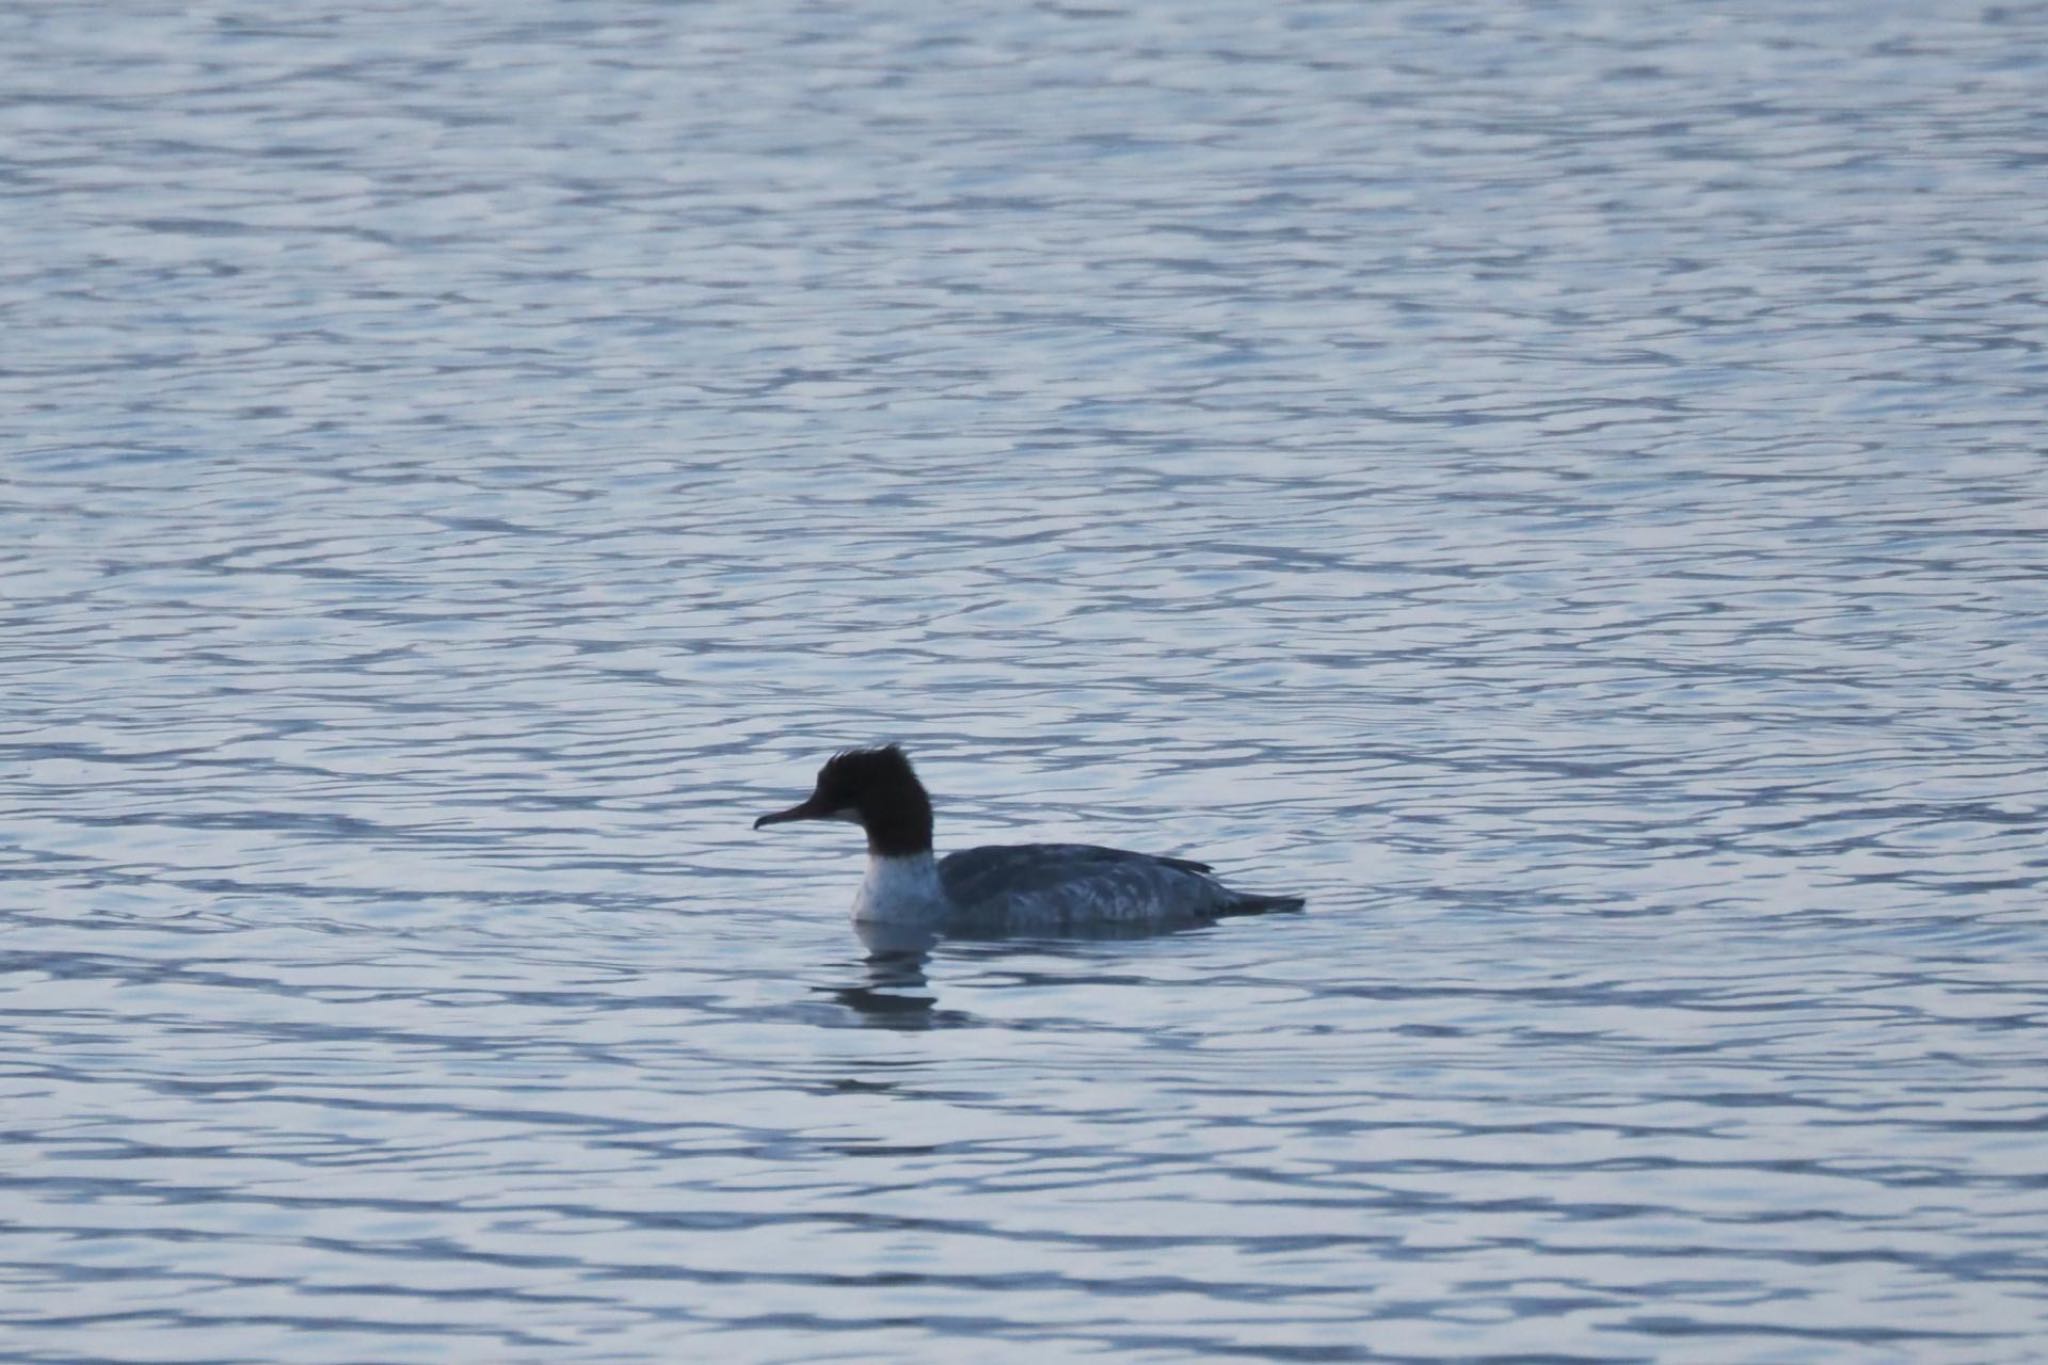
[1559, 485]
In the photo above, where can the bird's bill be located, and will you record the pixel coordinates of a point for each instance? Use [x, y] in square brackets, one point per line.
[813, 809]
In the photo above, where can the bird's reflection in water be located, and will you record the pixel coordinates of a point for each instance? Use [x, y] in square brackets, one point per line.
[895, 991]
[892, 995]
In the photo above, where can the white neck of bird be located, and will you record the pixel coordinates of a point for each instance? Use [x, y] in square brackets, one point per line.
[900, 889]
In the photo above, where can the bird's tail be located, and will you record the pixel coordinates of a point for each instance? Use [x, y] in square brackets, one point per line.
[1248, 904]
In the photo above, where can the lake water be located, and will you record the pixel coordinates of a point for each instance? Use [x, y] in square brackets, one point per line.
[1558, 485]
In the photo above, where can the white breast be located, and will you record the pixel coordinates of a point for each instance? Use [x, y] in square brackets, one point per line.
[901, 890]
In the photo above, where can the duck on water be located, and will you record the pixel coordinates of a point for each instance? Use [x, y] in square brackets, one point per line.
[1004, 888]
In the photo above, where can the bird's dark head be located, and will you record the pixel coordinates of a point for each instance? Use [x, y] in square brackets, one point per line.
[876, 789]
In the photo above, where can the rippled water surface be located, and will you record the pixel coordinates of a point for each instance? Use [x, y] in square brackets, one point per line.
[1560, 486]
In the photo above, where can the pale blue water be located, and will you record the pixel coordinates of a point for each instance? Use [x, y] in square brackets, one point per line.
[1561, 486]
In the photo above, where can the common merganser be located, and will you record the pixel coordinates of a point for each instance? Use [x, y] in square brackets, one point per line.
[1013, 888]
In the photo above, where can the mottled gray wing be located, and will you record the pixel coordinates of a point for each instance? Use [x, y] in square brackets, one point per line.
[1009, 869]
[1054, 886]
